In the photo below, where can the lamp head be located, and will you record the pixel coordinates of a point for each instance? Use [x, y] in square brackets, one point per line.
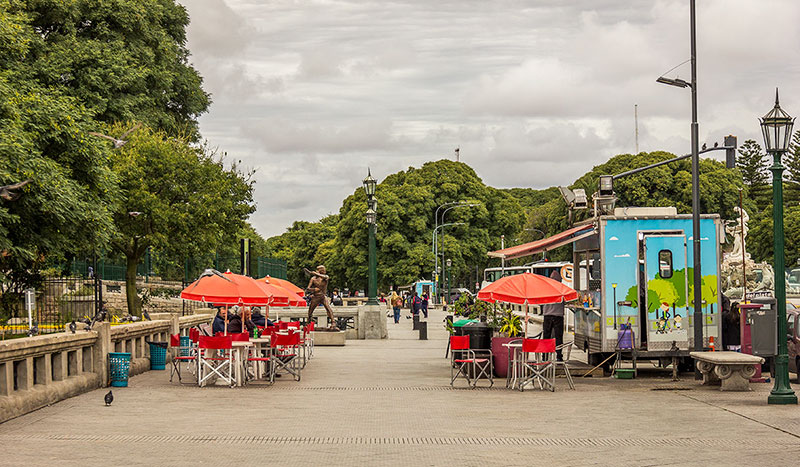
[370, 184]
[776, 127]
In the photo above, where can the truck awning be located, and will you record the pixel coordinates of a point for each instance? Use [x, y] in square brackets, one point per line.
[549, 243]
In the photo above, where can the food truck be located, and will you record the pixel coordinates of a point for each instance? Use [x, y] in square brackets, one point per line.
[633, 274]
[644, 280]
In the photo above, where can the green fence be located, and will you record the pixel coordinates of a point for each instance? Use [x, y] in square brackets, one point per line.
[271, 267]
[187, 269]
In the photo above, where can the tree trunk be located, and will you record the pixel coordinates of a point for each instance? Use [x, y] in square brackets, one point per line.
[134, 304]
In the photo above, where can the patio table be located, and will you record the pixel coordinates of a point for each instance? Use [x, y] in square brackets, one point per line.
[240, 349]
[514, 351]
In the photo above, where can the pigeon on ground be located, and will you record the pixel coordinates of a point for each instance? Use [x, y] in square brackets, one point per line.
[146, 315]
[72, 327]
[118, 142]
[109, 398]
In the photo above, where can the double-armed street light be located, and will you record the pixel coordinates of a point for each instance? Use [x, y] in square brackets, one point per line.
[435, 237]
[370, 184]
[776, 126]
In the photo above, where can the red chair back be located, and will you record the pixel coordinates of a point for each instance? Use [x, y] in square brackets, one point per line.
[175, 340]
[310, 326]
[459, 342]
[539, 345]
[293, 324]
[194, 334]
[215, 342]
[282, 325]
[285, 339]
[240, 337]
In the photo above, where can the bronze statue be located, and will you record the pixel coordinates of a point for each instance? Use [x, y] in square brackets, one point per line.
[318, 293]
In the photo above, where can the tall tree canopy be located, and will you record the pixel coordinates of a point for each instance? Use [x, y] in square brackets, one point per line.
[123, 59]
[188, 201]
[752, 162]
[68, 68]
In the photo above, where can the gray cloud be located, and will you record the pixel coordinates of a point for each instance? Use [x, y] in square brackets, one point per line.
[534, 92]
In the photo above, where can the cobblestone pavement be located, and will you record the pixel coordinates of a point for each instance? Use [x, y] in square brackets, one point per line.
[389, 403]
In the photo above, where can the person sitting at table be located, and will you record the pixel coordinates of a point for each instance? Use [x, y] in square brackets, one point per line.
[259, 319]
[238, 324]
[219, 321]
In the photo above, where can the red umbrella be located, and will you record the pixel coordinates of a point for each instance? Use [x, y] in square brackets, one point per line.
[527, 289]
[226, 289]
[283, 283]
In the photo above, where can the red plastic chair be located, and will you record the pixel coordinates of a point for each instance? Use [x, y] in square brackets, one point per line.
[538, 356]
[240, 337]
[463, 359]
[179, 355]
[221, 364]
[282, 325]
[285, 353]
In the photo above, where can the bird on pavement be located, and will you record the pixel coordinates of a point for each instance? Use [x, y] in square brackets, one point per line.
[109, 398]
[118, 142]
[72, 327]
[146, 315]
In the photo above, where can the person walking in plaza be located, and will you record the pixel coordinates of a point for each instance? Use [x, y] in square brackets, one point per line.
[553, 323]
[416, 304]
[425, 304]
[396, 303]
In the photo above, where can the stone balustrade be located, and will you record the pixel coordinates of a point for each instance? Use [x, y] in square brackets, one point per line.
[42, 370]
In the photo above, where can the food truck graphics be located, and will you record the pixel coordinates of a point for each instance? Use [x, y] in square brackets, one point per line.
[641, 276]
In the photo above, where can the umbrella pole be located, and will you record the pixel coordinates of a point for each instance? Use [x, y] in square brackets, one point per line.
[226, 319]
[526, 318]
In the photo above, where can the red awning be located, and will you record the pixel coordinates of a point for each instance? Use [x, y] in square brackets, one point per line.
[549, 243]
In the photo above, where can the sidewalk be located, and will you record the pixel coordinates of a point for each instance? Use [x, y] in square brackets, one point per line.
[389, 403]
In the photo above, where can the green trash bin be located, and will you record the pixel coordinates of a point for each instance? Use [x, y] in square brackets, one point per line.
[158, 355]
[120, 364]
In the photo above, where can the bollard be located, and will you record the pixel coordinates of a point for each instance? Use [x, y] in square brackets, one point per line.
[423, 330]
[416, 322]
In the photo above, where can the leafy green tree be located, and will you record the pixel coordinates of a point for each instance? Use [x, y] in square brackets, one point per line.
[122, 59]
[188, 200]
[306, 245]
[42, 139]
[752, 162]
[792, 174]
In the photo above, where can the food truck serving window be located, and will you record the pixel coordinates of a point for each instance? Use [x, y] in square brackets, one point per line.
[665, 264]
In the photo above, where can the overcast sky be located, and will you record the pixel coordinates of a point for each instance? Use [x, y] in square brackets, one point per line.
[534, 93]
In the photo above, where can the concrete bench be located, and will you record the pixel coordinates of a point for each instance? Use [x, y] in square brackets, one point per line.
[732, 369]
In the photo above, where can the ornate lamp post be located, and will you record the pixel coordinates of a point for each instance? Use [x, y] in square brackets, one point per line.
[777, 129]
[372, 206]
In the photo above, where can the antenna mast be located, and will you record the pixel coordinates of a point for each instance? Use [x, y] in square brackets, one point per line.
[636, 124]
[457, 155]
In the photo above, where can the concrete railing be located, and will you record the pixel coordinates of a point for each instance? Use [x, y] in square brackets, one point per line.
[296, 313]
[42, 370]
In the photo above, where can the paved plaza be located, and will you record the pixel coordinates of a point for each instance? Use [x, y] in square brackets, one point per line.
[389, 403]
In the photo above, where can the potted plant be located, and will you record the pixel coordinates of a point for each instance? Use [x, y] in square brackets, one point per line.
[509, 328]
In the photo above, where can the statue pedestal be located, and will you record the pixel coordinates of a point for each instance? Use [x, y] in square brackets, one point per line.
[372, 322]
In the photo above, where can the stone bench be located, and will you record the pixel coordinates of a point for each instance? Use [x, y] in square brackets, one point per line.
[329, 338]
[732, 369]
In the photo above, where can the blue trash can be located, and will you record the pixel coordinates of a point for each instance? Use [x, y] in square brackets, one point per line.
[158, 355]
[120, 364]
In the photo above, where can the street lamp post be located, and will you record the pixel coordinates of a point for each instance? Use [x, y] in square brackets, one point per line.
[435, 235]
[776, 127]
[697, 319]
[370, 185]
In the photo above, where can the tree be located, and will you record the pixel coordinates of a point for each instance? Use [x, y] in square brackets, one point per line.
[792, 174]
[188, 200]
[42, 139]
[753, 165]
[123, 60]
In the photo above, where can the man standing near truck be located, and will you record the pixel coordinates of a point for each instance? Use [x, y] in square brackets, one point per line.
[553, 323]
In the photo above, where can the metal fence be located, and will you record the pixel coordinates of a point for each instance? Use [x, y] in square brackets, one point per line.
[59, 300]
[272, 267]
